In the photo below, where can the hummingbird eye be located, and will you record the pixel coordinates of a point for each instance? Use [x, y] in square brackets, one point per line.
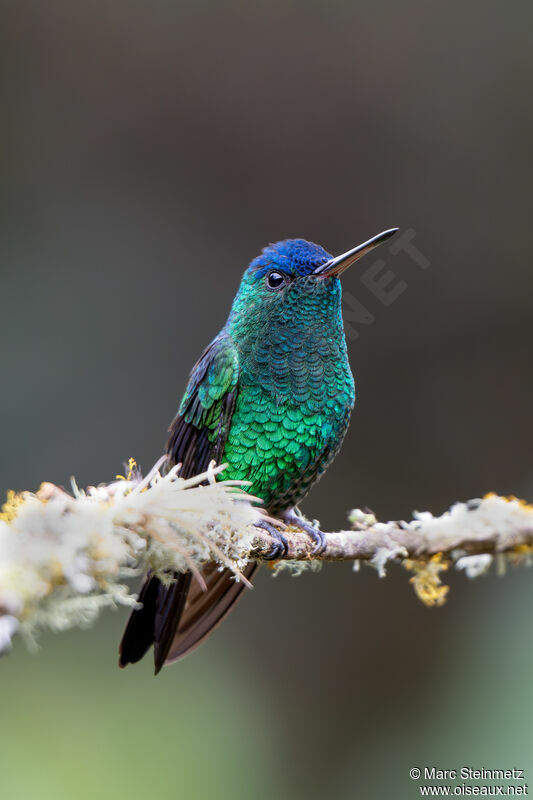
[275, 280]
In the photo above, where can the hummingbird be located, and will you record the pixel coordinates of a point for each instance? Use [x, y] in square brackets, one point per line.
[271, 397]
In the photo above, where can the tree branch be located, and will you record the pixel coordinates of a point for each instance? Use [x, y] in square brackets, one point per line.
[65, 556]
[489, 526]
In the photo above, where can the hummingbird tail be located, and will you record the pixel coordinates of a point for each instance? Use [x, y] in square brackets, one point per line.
[179, 617]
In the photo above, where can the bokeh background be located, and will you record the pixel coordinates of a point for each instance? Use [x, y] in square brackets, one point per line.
[149, 151]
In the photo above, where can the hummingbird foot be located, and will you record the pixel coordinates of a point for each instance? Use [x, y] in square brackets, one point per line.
[293, 517]
[280, 546]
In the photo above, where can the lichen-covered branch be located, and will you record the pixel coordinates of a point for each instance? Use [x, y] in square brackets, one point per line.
[64, 556]
[469, 536]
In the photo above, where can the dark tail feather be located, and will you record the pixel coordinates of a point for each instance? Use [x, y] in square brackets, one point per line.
[178, 617]
[170, 604]
[205, 610]
[139, 633]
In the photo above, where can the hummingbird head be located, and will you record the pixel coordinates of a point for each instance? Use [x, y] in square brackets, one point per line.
[286, 316]
[295, 278]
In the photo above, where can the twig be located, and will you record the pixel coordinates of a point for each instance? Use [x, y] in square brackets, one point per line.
[65, 556]
[489, 526]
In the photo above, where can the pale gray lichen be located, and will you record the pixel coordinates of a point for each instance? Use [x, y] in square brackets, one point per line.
[64, 557]
[383, 555]
[296, 568]
[474, 566]
[9, 626]
[359, 517]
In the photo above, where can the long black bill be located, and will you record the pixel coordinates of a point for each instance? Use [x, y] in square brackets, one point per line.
[340, 263]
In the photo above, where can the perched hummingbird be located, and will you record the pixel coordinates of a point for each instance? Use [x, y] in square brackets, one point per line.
[271, 396]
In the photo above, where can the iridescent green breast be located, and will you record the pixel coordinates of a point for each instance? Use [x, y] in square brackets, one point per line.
[295, 396]
[282, 448]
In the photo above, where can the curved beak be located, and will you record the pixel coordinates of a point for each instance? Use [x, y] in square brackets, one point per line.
[338, 264]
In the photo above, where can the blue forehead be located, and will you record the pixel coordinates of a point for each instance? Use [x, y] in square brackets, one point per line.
[293, 256]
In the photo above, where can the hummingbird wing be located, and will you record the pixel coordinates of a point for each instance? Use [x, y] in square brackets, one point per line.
[199, 430]
[178, 617]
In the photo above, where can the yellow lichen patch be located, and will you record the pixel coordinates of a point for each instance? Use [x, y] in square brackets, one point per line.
[131, 469]
[510, 499]
[522, 503]
[56, 575]
[426, 579]
[11, 506]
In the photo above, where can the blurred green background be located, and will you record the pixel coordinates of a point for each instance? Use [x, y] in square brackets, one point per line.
[149, 151]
